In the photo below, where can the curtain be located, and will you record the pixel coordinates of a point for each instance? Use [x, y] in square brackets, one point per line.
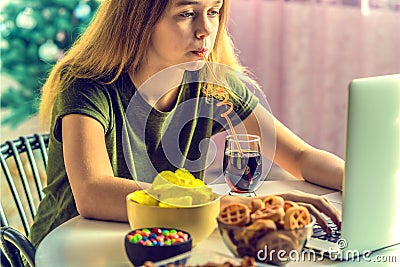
[304, 54]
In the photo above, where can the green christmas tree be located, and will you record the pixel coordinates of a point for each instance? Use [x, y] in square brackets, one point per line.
[34, 35]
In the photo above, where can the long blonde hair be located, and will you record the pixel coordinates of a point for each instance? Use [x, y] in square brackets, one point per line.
[116, 41]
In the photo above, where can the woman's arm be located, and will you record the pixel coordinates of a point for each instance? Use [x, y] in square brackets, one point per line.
[294, 155]
[98, 194]
[301, 160]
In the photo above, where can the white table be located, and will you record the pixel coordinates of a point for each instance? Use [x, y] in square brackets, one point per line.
[82, 242]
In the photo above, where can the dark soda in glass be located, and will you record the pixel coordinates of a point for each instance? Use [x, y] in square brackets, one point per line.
[242, 171]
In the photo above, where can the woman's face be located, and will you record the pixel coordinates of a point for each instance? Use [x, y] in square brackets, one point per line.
[178, 35]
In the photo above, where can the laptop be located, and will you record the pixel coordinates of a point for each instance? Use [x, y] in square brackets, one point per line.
[371, 194]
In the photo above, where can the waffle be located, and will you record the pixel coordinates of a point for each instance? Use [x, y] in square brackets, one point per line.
[245, 262]
[288, 204]
[235, 214]
[256, 230]
[296, 217]
[272, 212]
[256, 204]
[275, 241]
[273, 200]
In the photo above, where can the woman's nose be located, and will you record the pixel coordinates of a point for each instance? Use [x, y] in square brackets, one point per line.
[203, 27]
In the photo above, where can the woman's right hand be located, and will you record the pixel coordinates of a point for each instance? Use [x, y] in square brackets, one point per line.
[318, 206]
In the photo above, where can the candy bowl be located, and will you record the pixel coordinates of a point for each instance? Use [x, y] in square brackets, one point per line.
[267, 245]
[156, 244]
[197, 220]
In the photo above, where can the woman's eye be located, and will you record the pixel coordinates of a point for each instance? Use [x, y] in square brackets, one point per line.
[187, 14]
[213, 13]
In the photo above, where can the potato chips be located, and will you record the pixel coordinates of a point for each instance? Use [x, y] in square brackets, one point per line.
[174, 189]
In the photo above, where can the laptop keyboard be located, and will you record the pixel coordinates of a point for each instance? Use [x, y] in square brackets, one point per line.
[321, 234]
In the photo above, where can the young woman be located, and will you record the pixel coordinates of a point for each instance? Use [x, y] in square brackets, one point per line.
[89, 90]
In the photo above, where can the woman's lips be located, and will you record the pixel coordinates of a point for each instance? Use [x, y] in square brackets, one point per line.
[200, 52]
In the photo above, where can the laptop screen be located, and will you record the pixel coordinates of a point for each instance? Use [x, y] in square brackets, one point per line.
[371, 196]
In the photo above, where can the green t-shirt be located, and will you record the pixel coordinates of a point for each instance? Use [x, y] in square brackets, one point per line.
[140, 140]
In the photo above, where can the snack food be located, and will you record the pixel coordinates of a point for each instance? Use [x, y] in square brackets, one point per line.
[156, 243]
[296, 218]
[257, 229]
[156, 237]
[245, 262]
[276, 241]
[256, 204]
[288, 204]
[273, 200]
[275, 225]
[272, 212]
[235, 214]
[172, 189]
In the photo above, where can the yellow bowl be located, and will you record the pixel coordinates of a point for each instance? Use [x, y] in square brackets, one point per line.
[198, 220]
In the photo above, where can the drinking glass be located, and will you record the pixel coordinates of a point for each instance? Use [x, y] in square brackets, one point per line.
[242, 165]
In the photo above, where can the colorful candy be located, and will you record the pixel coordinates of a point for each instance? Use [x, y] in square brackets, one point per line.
[157, 237]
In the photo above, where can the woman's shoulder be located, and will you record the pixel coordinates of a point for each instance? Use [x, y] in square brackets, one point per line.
[86, 83]
[91, 85]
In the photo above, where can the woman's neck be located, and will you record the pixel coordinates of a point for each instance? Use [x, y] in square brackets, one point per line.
[159, 89]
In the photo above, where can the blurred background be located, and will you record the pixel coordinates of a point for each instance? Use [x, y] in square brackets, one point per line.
[303, 53]
[34, 35]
